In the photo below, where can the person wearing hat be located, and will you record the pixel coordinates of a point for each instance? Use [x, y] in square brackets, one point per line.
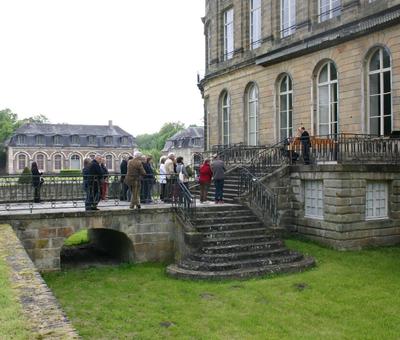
[132, 179]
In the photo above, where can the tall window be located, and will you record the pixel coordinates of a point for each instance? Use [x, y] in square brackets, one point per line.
[39, 140]
[288, 17]
[252, 115]
[21, 139]
[228, 34]
[226, 115]
[75, 163]
[208, 44]
[109, 162]
[40, 161]
[314, 199]
[380, 93]
[376, 200]
[328, 100]
[57, 162]
[329, 9]
[57, 140]
[207, 124]
[22, 162]
[286, 107]
[255, 23]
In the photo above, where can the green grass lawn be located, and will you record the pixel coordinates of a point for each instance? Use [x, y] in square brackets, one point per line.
[12, 322]
[349, 295]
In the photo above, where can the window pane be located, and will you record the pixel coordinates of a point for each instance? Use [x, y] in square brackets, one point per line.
[323, 76]
[386, 59]
[387, 127]
[387, 104]
[333, 71]
[374, 126]
[374, 84]
[283, 119]
[284, 84]
[375, 62]
[386, 82]
[374, 105]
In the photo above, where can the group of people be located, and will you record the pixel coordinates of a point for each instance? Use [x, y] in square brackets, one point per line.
[208, 172]
[305, 141]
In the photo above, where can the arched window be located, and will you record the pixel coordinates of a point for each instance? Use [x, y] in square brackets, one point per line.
[75, 163]
[22, 161]
[327, 93]
[380, 93]
[285, 107]
[40, 161]
[225, 115]
[109, 162]
[252, 115]
[57, 162]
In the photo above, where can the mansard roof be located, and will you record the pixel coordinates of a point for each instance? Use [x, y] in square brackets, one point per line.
[184, 139]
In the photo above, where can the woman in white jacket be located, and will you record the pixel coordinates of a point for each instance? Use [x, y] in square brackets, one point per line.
[163, 177]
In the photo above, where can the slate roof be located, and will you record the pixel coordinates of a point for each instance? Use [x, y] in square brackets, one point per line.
[186, 137]
[65, 131]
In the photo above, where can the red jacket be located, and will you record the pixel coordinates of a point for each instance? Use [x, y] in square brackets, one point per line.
[205, 173]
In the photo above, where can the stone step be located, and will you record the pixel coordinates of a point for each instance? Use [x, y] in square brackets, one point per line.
[212, 235]
[297, 266]
[242, 247]
[225, 218]
[228, 226]
[245, 255]
[252, 263]
[219, 241]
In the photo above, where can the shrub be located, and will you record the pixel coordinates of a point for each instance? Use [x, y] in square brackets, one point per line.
[80, 237]
[26, 176]
[70, 172]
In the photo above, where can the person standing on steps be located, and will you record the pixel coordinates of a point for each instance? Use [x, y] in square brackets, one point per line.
[132, 179]
[218, 169]
[205, 180]
[305, 144]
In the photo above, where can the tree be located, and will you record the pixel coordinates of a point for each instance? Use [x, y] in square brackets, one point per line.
[157, 140]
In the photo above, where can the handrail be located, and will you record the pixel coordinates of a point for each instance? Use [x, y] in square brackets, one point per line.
[185, 203]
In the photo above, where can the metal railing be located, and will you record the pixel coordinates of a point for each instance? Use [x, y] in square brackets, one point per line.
[258, 194]
[184, 203]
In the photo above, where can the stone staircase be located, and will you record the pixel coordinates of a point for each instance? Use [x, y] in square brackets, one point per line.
[235, 245]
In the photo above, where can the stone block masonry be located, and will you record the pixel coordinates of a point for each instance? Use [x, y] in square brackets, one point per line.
[153, 232]
[45, 316]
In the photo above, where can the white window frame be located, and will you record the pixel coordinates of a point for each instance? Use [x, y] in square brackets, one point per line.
[377, 201]
[57, 140]
[19, 160]
[332, 11]
[42, 168]
[382, 70]
[55, 162]
[40, 140]
[229, 41]
[108, 140]
[21, 140]
[75, 140]
[314, 199]
[109, 162]
[288, 17]
[329, 83]
[80, 162]
[252, 98]
[92, 140]
[286, 95]
[226, 116]
[255, 23]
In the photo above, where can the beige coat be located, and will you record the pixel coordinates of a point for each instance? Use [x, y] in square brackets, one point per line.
[135, 170]
[169, 167]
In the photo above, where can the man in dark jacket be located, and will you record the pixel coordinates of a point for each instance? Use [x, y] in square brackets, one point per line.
[124, 188]
[95, 179]
[218, 169]
[305, 143]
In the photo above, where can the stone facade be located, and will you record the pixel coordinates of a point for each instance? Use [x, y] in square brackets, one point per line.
[347, 40]
[55, 147]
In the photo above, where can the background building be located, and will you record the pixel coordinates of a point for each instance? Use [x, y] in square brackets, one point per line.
[332, 66]
[186, 143]
[62, 146]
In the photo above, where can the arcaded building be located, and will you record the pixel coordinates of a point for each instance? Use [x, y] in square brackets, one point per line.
[55, 147]
[332, 66]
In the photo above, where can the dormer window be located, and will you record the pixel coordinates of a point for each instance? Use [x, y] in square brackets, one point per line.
[124, 140]
[75, 140]
[196, 142]
[92, 140]
[21, 140]
[39, 140]
[57, 140]
[108, 140]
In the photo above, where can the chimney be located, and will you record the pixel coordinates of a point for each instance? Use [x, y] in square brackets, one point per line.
[110, 123]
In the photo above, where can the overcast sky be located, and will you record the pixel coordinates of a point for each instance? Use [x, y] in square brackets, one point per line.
[90, 61]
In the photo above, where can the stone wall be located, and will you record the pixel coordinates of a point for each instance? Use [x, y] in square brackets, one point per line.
[344, 224]
[153, 232]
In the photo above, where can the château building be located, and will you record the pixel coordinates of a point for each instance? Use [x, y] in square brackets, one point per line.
[332, 66]
[55, 147]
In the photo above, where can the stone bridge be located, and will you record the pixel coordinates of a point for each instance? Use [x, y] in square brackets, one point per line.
[151, 235]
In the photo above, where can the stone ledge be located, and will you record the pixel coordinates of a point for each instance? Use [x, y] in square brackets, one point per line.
[39, 305]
